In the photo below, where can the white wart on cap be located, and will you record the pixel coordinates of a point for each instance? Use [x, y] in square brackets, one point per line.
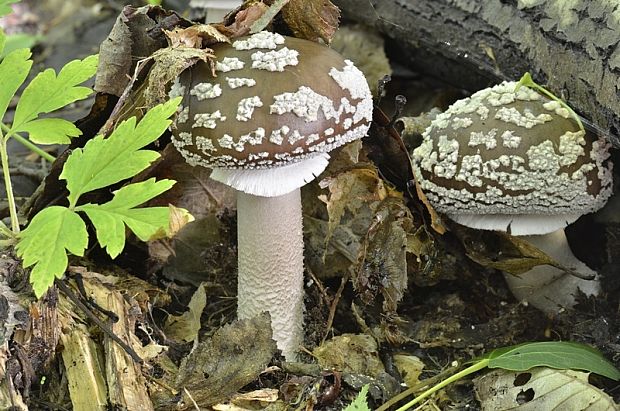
[512, 161]
[276, 102]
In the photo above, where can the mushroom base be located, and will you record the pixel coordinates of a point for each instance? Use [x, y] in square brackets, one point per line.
[270, 241]
[549, 288]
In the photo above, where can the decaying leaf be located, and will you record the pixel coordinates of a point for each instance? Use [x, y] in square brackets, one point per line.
[388, 152]
[349, 191]
[350, 353]
[312, 19]
[410, 367]
[185, 327]
[218, 367]
[382, 265]
[134, 35]
[540, 389]
[335, 258]
[179, 218]
[356, 357]
[266, 398]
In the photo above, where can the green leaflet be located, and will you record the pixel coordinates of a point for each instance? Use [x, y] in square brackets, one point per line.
[561, 354]
[14, 69]
[44, 244]
[2, 43]
[359, 404]
[51, 131]
[103, 162]
[110, 218]
[18, 41]
[48, 92]
[5, 7]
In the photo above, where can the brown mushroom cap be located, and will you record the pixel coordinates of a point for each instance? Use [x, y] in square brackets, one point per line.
[276, 100]
[504, 160]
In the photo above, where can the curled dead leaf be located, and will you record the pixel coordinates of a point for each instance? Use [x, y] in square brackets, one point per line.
[436, 222]
[244, 20]
[196, 36]
[179, 218]
[501, 251]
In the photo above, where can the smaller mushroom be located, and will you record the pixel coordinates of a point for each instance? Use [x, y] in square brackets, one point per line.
[265, 125]
[514, 161]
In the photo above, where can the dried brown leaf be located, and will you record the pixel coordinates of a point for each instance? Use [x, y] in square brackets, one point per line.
[265, 394]
[312, 19]
[185, 327]
[387, 151]
[135, 35]
[244, 20]
[218, 367]
[436, 222]
[350, 190]
[115, 60]
[168, 64]
[195, 36]
[267, 17]
[179, 218]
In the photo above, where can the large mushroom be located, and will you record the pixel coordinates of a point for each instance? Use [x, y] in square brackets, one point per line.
[265, 124]
[512, 160]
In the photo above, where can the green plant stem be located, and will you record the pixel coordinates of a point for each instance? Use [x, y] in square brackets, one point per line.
[469, 370]
[5, 231]
[526, 80]
[28, 144]
[4, 160]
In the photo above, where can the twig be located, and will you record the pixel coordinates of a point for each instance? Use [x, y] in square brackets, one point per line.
[79, 280]
[130, 351]
[191, 398]
[332, 308]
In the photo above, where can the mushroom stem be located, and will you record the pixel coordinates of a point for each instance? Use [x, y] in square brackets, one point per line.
[549, 288]
[270, 241]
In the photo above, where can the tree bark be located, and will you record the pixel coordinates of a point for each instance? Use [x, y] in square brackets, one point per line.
[570, 46]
